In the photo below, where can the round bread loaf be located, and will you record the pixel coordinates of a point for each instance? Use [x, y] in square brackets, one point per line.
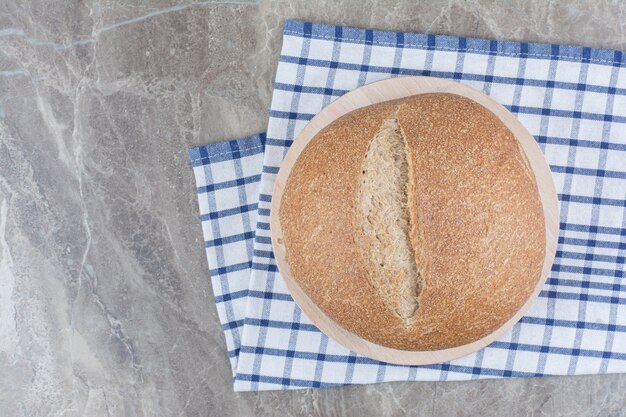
[415, 224]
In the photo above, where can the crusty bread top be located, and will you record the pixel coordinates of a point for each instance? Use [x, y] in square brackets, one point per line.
[476, 224]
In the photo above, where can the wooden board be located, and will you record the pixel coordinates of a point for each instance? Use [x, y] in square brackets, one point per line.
[383, 91]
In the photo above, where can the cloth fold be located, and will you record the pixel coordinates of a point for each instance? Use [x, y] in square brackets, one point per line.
[573, 101]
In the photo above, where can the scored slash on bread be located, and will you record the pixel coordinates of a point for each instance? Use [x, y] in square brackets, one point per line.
[382, 222]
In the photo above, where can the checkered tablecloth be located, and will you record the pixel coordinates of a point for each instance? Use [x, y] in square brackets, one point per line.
[572, 99]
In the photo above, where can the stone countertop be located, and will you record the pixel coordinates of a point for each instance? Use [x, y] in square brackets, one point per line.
[105, 302]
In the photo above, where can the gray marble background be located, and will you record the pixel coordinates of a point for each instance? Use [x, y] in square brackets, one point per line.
[105, 302]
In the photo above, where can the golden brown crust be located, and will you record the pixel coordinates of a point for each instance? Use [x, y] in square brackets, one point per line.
[479, 224]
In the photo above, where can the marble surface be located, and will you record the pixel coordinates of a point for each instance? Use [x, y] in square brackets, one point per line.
[105, 302]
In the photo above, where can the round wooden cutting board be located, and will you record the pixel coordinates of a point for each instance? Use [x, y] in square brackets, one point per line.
[388, 90]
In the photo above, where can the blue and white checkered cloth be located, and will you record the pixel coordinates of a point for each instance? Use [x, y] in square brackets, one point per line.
[572, 99]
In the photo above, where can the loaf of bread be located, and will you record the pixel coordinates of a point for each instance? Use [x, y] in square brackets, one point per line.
[415, 224]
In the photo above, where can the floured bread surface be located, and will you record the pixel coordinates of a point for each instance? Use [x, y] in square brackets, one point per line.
[415, 224]
[382, 221]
